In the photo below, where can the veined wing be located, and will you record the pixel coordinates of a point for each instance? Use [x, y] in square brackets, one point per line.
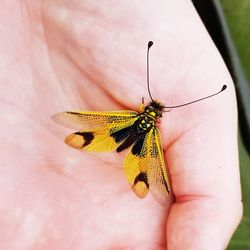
[89, 120]
[145, 167]
[97, 129]
[157, 174]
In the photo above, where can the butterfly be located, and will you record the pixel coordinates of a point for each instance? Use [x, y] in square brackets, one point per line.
[108, 131]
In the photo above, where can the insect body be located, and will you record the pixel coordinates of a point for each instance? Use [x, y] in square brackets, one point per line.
[118, 130]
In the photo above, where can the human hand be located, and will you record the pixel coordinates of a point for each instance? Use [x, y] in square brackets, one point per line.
[91, 55]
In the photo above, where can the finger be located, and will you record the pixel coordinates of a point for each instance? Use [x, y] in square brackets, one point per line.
[205, 175]
[202, 223]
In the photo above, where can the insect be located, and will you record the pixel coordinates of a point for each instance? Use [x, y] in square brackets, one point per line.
[118, 130]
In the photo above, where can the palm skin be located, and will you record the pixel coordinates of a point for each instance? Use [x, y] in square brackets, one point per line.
[92, 55]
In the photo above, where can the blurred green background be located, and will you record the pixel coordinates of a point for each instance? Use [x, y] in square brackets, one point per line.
[237, 14]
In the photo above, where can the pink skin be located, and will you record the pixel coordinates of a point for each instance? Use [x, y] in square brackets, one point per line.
[91, 55]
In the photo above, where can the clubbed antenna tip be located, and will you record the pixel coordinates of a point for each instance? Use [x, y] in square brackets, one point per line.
[150, 43]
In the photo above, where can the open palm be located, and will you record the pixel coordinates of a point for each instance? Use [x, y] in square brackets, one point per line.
[90, 55]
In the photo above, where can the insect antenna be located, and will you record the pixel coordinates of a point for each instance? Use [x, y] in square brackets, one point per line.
[150, 43]
[185, 104]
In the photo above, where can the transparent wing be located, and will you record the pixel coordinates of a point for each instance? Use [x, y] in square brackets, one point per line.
[157, 174]
[90, 121]
[96, 129]
[136, 167]
[145, 167]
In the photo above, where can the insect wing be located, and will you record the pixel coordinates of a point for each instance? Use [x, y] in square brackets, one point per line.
[157, 174]
[96, 128]
[89, 121]
[136, 167]
[145, 167]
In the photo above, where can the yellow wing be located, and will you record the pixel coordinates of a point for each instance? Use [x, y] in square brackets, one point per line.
[96, 128]
[92, 120]
[145, 167]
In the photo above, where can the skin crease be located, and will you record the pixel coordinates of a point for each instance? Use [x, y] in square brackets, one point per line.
[91, 55]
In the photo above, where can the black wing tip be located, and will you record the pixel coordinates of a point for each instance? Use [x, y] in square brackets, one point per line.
[87, 137]
[142, 176]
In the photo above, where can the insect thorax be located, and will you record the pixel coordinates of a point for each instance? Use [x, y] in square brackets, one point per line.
[145, 122]
[154, 109]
